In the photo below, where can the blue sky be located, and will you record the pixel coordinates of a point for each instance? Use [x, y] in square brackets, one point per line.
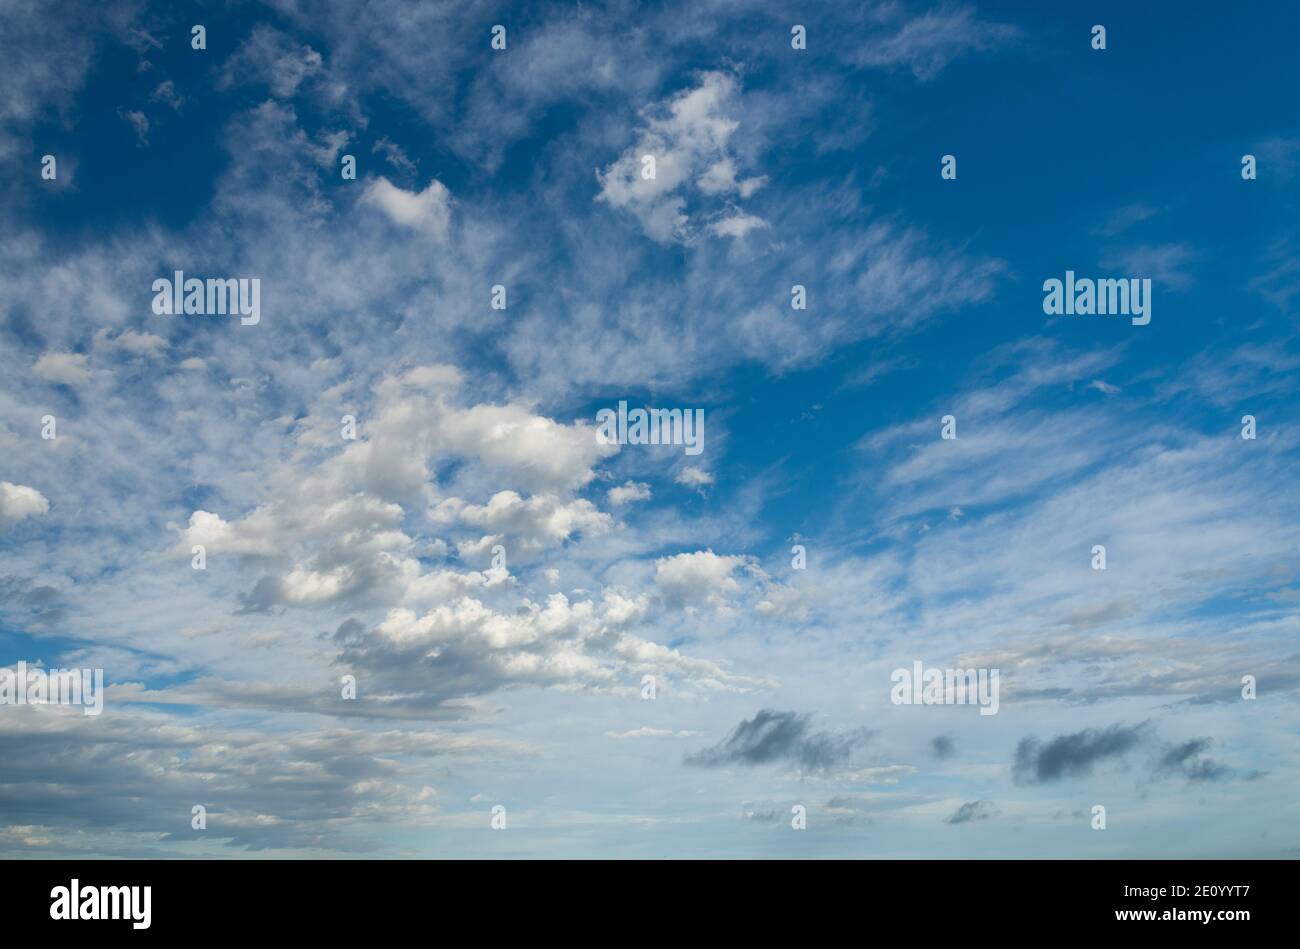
[520, 685]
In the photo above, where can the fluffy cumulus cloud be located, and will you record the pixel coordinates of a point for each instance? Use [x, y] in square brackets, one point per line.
[467, 648]
[528, 526]
[628, 493]
[694, 477]
[347, 524]
[699, 578]
[427, 212]
[354, 523]
[19, 502]
[67, 368]
[680, 159]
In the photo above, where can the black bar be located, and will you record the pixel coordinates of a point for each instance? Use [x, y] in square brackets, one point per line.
[338, 898]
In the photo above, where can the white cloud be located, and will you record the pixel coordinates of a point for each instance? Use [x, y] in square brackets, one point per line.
[331, 526]
[528, 526]
[541, 453]
[66, 368]
[702, 578]
[466, 647]
[789, 602]
[692, 477]
[260, 532]
[138, 121]
[1166, 265]
[646, 731]
[643, 732]
[166, 93]
[19, 502]
[272, 57]
[688, 136]
[927, 43]
[628, 492]
[438, 586]
[737, 225]
[140, 344]
[427, 211]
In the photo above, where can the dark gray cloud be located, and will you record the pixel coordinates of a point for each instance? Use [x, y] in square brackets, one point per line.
[973, 811]
[943, 746]
[1185, 759]
[772, 736]
[39, 605]
[1073, 755]
[141, 773]
[23, 592]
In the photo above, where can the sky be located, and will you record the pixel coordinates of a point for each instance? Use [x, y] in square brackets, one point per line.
[560, 646]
